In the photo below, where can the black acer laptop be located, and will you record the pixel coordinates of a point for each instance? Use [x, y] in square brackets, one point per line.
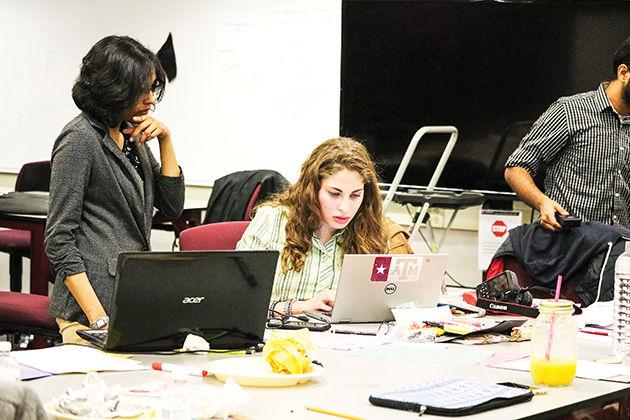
[161, 297]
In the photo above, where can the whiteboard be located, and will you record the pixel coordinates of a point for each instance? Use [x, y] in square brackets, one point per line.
[257, 82]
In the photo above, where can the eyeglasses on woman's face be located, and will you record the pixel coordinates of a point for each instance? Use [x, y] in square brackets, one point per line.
[157, 89]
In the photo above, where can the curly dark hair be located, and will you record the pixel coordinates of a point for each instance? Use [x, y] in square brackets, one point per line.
[114, 74]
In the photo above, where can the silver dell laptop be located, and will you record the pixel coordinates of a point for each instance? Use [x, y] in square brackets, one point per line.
[161, 297]
[372, 284]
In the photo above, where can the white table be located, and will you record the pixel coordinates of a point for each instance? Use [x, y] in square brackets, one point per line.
[349, 380]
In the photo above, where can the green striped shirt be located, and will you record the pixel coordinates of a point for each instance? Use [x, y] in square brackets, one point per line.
[322, 266]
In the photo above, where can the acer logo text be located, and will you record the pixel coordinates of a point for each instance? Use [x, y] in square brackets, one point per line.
[193, 299]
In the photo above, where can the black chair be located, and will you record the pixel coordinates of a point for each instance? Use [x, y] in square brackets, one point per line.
[236, 194]
[34, 176]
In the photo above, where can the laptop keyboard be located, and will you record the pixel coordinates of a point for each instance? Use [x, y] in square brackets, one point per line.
[98, 337]
[101, 336]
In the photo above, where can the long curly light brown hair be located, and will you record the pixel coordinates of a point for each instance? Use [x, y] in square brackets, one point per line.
[366, 232]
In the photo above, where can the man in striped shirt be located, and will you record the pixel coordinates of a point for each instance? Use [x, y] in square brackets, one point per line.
[584, 142]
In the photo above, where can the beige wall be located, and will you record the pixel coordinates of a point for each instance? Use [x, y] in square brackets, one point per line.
[7, 182]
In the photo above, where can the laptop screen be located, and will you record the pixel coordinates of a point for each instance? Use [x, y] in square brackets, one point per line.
[370, 285]
[160, 297]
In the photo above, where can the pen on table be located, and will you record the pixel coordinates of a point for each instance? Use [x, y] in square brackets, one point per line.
[535, 390]
[168, 367]
[248, 351]
[334, 413]
[352, 332]
[594, 332]
[601, 327]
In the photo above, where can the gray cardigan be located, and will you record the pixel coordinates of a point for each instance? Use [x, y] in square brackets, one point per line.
[99, 206]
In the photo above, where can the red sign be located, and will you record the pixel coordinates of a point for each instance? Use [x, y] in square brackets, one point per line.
[499, 228]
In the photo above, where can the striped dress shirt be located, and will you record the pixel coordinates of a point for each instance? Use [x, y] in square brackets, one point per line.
[585, 146]
[322, 267]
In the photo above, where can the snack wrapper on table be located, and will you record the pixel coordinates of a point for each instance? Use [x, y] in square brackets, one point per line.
[96, 400]
[522, 333]
[287, 351]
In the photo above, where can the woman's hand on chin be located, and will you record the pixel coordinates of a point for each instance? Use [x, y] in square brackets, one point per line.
[147, 128]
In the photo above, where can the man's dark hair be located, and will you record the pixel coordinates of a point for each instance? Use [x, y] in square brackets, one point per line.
[622, 56]
[114, 73]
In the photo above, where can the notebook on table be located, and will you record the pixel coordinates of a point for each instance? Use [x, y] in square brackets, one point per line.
[160, 297]
[369, 285]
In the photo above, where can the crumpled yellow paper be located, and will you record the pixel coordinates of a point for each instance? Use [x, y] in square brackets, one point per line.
[286, 351]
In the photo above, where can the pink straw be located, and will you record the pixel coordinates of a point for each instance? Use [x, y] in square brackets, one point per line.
[558, 286]
[553, 318]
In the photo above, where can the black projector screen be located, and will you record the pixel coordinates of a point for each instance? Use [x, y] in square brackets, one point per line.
[478, 65]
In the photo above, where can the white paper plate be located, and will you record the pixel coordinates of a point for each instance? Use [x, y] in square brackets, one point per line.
[53, 414]
[255, 371]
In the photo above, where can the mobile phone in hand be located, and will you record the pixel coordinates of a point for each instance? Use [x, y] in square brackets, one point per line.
[568, 222]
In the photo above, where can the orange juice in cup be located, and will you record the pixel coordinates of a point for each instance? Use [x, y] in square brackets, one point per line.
[554, 344]
[553, 372]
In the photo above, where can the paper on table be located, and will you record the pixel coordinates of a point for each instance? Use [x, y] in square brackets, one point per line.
[329, 341]
[72, 359]
[499, 357]
[599, 313]
[427, 352]
[407, 316]
[27, 373]
[586, 369]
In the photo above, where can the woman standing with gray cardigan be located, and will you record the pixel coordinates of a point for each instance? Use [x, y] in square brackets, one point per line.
[105, 181]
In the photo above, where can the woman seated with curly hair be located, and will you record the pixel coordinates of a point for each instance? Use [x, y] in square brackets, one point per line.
[334, 208]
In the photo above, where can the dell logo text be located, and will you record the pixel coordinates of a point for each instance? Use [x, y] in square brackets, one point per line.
[390, 288]
[193, 299]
